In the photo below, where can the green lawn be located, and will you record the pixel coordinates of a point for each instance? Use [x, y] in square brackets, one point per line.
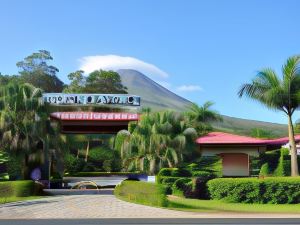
[16, 199]
[196, 205]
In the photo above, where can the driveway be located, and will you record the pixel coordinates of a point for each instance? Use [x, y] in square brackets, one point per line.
[101, 206]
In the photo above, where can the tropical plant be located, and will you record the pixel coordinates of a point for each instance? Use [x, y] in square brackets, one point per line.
[200, 117]
[160, 139]
[278, 94]
[19, 105]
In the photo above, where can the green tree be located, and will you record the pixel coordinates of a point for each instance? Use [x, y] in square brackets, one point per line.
[261, 133]
[19, 105]
[159, 140]
[34, 69]
[200, 117]
[278, 94]
[77, 84]
[101, 81]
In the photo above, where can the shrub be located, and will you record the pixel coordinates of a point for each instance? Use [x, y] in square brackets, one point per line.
[284, 167]
[167, 182]
[142, 192]
[165, 172]
[72, 164]
[183, 187]
[279, 190]
[174, 172]
[19, 188]
[200, 187]
[264, 170]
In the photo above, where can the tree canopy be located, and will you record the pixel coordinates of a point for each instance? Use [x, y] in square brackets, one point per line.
[278, 93]
[35, 70]
[99, 81]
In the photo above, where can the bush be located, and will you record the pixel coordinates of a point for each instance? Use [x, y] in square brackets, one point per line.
[284, 166]
[19, 188]
[279, 190]
[264, 170]
[142, 192]
[200, 187]
[167, 182]
[72, 164]
[183, 187]
[174, 172]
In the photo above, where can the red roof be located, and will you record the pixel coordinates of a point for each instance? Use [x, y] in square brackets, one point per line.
[226, 138]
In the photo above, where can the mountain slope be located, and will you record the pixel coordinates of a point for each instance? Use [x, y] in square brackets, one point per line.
[159, 98]
[152, 94]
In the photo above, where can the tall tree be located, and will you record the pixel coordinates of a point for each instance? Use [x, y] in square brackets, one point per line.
[78, 82]
[200, 117]
[279, 93]
[101, 81]
[34, 69]
[159, 140]
[19, 105]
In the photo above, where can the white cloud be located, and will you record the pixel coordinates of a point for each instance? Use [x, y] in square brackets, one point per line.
[114, 62]
[189, 88]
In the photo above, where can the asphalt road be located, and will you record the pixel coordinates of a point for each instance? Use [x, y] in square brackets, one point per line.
[147, 221]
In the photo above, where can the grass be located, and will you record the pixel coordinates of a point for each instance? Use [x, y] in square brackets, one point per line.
[196, 205]
[16, 199]
[141, 192]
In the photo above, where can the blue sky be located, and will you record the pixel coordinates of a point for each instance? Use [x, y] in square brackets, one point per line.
[202, 50]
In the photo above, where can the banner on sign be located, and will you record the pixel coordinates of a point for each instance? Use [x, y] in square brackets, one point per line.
[95, 116]
[91, 99]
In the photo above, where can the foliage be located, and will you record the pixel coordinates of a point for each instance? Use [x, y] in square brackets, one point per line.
[77, 84]
[167, 182]
[279, 94]
[21, 116]
[265, 170]
[73, 164]
[277, 190]
[142, 193]
[200, 117]
[182, 187]
[159, 140]
[261, 133]
[18, 189]
[36, 71]
[283, 167]
[99, 81]
[196, 205]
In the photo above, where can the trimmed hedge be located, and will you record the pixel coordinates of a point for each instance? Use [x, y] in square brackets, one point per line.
[174, 172]
[183, 187]
[265, 170]
[167, 182]
[19, 189]
[284, 165]
[279, 190]
[142, 192]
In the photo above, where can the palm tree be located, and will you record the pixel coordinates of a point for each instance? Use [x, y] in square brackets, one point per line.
[278, 94]
[19, 105]
[200, 117]
[159, 140]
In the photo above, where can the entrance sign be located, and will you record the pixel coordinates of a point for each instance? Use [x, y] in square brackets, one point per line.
[91, 99]
[95, 116]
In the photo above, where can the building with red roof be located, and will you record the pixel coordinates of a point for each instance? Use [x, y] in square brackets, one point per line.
[236, 149]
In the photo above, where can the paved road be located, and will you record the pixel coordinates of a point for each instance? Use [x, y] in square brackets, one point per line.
[148, 221]
[103, 206]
